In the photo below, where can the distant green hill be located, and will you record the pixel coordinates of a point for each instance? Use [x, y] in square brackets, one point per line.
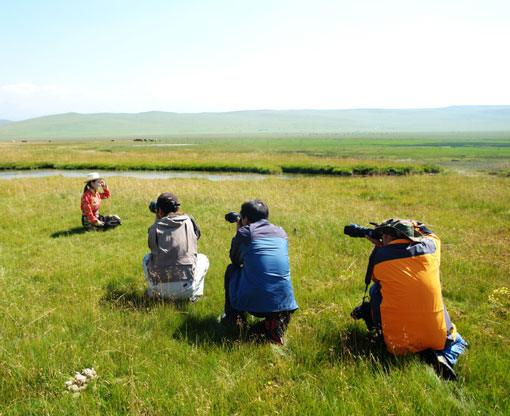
[5, 122]
[155, 123]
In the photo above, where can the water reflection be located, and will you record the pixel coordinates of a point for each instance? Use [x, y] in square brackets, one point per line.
[229, 176]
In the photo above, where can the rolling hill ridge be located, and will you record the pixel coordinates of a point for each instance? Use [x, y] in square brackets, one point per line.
[255, 122]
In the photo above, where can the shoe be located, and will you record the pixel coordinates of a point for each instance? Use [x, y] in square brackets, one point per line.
[231, 319]
[274, 331]
[440, 363]
[444, 368]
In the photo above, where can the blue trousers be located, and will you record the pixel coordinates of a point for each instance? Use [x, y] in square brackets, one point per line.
[453, 348]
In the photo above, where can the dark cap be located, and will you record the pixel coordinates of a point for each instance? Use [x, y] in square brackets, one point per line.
[168, 202]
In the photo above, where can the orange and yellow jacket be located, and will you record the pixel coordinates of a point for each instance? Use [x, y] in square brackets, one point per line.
[413, 314]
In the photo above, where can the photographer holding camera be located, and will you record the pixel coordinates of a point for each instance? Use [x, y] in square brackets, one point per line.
[173, 268]
[406, 305]
[258, 280]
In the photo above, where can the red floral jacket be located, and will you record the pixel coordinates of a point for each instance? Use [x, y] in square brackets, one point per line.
[90, 203]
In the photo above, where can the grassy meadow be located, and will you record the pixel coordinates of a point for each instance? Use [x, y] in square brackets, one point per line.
[73, 300]
[339, 155]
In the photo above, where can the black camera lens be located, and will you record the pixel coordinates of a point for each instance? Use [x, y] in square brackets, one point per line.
[153, 206]
[232, 217]
[355, 230]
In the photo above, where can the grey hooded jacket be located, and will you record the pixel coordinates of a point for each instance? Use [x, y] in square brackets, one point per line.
[173, 244]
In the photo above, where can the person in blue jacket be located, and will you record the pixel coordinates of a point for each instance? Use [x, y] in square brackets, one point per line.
[258, 280]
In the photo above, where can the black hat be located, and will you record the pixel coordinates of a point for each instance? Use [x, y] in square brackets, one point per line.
[168, 202]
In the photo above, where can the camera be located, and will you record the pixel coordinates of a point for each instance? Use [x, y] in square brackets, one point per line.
[355, 230]
[364, 312]
[153, 206]
[232, 217]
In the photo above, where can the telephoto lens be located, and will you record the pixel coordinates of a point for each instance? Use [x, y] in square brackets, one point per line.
[232, 217]
[153, 206]
[358, 231]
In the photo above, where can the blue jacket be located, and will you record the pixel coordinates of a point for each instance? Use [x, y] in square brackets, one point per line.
[261, 280]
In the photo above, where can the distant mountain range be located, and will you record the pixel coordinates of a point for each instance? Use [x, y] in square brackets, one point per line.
[258, 122]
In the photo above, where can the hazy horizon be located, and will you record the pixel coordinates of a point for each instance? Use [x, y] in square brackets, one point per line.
[262, 110]
[495, 119]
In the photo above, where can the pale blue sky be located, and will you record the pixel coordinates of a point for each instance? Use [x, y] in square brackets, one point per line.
[193, 56]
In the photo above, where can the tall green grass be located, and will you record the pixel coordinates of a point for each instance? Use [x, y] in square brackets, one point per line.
[72, 300]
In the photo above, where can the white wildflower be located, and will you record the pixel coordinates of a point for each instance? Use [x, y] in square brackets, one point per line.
[79, 382]
[90, 373]
[74, 388]
[79, 379]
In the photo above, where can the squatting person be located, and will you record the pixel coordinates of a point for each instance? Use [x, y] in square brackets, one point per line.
[406, 303]
[173, 268]
[258, 280]
[91, 201]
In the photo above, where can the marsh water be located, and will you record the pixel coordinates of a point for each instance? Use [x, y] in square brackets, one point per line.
[212, 176]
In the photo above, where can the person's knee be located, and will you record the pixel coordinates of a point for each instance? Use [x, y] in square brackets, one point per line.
[229, 270]
[374, 291]
[201, 266]
[203, 262]
[145, 260]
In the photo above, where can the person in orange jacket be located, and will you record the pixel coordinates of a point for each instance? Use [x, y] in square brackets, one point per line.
[406, 304]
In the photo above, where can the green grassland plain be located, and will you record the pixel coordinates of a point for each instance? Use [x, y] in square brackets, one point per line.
[73, 300]
[342, 154]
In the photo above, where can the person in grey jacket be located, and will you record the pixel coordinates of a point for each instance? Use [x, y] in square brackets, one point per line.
[173, 268]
